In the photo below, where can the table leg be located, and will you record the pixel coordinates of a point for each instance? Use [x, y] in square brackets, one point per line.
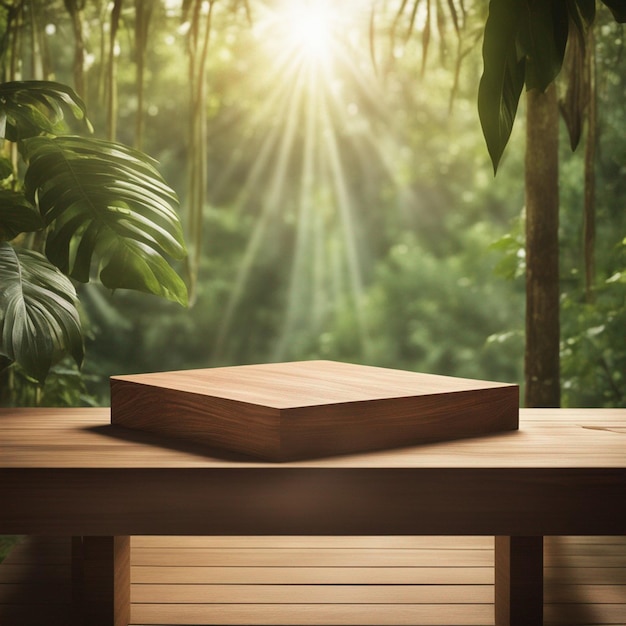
[519, 581]
[101, 581]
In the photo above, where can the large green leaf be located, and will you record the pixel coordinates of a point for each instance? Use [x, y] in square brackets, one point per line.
[542, 39]
[106, 202]
[17, 215]
[39, 323]
[503, 75]
[30, 108]
[134, 265]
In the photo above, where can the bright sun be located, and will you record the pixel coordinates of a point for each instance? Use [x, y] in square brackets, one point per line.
[309, 27]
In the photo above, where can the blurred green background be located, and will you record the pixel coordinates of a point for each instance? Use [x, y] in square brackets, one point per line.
[339, 200]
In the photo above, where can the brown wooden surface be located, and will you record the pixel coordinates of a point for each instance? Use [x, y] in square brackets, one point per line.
[287, 411]
[71, 472]
[518, 581]
[49, 438]
[443, 584]
[101, 581]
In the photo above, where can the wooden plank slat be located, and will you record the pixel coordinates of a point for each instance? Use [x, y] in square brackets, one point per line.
[588, 560]
[311, 542]
[596, 550]
[313, 594]
[267, 557]
[314, 575]
[586, 540]
[580, 575]
[306, 614]
[347, 575]
[264, 557]
[574, 596]
[589, 593]
[584, 614]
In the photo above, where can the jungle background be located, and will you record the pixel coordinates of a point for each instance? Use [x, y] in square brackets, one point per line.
[338, 199]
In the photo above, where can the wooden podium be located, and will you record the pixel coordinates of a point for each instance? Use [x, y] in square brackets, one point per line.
[289, 411]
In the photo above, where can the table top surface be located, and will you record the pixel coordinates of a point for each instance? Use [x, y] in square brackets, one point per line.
[84, 438]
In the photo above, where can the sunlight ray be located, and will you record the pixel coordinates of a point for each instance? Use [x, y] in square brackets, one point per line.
[300, 166]
[269, 208]
[286, 77]
[345, 207]
[297, 290]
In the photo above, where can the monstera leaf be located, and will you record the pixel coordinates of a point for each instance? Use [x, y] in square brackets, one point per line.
[106, 204]
[17, 215]
[30, 108]
[39, 323]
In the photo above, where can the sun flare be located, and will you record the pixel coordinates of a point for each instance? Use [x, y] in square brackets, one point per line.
[315, 59]
[307, 28]
[310, 27]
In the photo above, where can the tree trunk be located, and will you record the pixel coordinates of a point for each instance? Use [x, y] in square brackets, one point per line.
[541, 362]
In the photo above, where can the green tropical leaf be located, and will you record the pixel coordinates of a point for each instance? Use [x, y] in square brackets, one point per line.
[542, 38]
[134, 265]
[503, 75]
[39, 323]
[30, 108]
[17, 215]
[108, 202]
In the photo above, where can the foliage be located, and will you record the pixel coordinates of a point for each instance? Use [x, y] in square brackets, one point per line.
[524, 44]
[432, 308]
[65, 385]
[274, 280]
[75, 200]
[435, 314]
[593, 352]
[592, 364]
[40, 322]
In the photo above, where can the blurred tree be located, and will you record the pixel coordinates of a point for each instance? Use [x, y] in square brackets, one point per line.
[525, 44]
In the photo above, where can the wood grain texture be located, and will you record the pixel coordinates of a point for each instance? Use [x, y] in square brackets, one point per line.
[575, 593]
[313, 614]
[71, 472]
[288, 411]
[85, 439]
[313, 594]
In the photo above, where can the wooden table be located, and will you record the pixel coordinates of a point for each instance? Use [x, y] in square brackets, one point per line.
[69, 472]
